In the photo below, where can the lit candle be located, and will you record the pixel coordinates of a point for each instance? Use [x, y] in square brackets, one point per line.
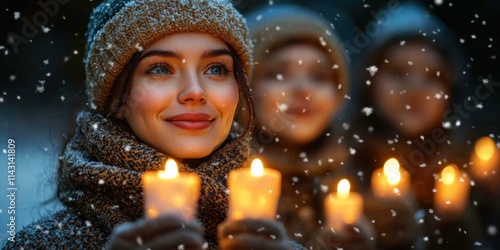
[391, 180]
[254, 192]
[485, 159]
[451, 192]
[343, 207]
[171, 192]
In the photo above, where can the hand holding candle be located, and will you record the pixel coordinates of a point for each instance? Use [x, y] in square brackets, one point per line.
[170, 192]
[391, 180]
[452, 192]
[254, 192]
[343, 207]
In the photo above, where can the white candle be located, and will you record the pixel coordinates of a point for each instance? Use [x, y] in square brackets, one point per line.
[391, 180]
[452, 192]
[343, 207]
[254, 192]
[171, 192]
[485, 159]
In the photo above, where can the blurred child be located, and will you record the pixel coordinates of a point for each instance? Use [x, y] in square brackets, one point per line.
[300, 79]
[412, 74]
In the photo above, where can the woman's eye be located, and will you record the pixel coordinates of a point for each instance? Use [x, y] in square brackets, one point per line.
[219, 70]
[158, 69]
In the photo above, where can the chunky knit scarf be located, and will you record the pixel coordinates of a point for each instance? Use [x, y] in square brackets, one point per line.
[100, 178]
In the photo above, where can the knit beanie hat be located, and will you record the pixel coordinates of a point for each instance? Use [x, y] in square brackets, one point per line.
[276, 25]
[119, 28]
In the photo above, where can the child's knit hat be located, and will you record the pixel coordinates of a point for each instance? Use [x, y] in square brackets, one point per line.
[277, 25]
[120, 28]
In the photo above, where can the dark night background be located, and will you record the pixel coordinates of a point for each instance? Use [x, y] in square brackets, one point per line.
[42, 83]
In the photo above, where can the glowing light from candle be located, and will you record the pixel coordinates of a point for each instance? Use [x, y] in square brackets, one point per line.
[448, 174]
[391, 171]
[343, 189]
[171, 170]
[485, 148]
[257, 168]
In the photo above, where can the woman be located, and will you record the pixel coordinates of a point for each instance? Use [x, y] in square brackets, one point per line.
[160, 84]
[299, 83]
[413, 73]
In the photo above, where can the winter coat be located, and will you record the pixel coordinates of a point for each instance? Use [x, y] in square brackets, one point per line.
[100, 186]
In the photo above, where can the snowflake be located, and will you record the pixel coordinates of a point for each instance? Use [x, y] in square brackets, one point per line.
[367, 110]
[138, 47]
[322, 41]
[393, 213]
[17, 15]
[139, 240]
[282, 107]
[492, 230]
[372, 69]
[352, 151]
[279, 77]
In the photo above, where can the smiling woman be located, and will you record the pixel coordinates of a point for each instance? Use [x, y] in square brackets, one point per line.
[160, 85]
[191, 93]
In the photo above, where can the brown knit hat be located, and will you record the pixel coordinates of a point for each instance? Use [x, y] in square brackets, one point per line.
[120, 28]
[276, 25]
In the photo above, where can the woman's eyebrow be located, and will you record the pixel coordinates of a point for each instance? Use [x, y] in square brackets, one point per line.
[163, 53]
[178, 55]
[215, 53]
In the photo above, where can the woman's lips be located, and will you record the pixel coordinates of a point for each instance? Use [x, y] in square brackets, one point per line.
[194, 121]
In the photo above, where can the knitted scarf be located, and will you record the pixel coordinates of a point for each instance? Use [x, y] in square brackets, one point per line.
[101, 173]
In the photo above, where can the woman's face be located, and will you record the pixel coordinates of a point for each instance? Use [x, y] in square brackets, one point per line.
[183, 95]
[411, 88]
[295, 93]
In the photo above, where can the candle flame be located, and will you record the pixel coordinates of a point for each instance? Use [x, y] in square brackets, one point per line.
[448, 174]
[257, 168]
[343, 189]
[391, 171]
[171, 170]
[485, 148]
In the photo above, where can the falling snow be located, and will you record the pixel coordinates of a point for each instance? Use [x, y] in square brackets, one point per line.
[367, 110]
[372, 70]
[282, 107]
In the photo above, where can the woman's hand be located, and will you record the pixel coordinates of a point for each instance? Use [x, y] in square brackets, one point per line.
[253, 234]
[165, 232]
